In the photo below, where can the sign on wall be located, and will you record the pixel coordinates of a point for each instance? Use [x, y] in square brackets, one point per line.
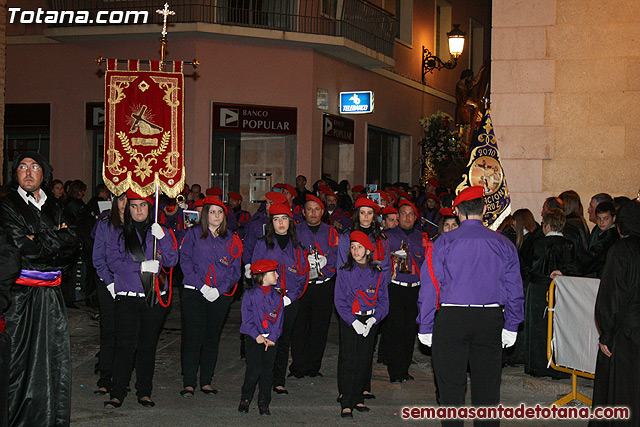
[336, 128]
[255, 118]
[359, 102]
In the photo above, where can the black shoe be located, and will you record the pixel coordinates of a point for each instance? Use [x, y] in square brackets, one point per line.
[101, 391]
[314, 374]
[344, 414]
[264, 410]
[408, 377]
[295, 374]
[209, 390]
[280, 390]
[113, 403]
[361, 408]
[187, 393]
[147, 403]
[368, 396]
[244, 406]
[339, 399]
[395, 380]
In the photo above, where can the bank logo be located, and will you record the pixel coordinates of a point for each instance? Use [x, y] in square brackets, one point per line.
[229, 117]
[355, 99]
[328, 125]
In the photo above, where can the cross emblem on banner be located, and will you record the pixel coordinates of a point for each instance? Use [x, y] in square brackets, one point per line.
[165, 13]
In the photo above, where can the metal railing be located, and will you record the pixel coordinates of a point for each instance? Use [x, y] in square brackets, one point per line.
[356, 20]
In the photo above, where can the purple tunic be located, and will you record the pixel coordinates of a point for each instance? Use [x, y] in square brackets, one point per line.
[101, 233]
[341, 217]
[126, 270]
[297, 214]
[219, 258]
[414, 240]
[293, 267]
[253, 231]
[325, 241]
[473, 265]
[352, 284]
[262, 313]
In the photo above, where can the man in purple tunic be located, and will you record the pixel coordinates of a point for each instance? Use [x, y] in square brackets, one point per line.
[470, 275]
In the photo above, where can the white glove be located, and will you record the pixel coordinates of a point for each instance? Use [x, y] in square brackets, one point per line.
[111, 287]
[312, 261]
[157, 231]
[286, 300]
[322, 261]
[400, 253]
[150, 266]
[508, 338]
[247, 271]
[359, 327]
[425, 339]
[368, 324]
[209, 293]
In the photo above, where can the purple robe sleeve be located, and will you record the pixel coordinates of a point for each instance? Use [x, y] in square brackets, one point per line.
[249, 326]
[168, 248]
[99, 255]
[342, 296]
[187, 261]
[513, 293]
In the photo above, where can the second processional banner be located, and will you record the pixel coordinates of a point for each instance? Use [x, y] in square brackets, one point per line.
[144, 119]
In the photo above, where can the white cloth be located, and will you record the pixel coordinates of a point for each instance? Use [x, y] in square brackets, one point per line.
[368, 324]
[508, 338]
[157, 231]
[425, 339]
[286, 300]
[359, 327]
[247, 271]
[400, 253]
[150, 266]
[28, 199]
[209, 293]
[111, 287]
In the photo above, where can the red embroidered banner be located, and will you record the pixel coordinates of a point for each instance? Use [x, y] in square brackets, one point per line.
[144, 119]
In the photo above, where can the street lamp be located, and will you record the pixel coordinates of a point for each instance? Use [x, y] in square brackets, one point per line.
[431, 62]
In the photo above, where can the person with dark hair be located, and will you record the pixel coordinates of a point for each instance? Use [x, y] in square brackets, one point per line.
[469, 275]
[36, 320]
[620, 201]
[75, 205]
[138, 312]
[262, 322]
[361, 299]
[211, 260]
[575, 216]
[549, 253]
[309, 335]
[407, 247]
[57, 189]
[243, 217]
[389, 218]
[10, 262]
[280, 243]
[448, 222]
[335, 216]
[301, 190]
[107, 224]
[430, 215]
[618, 317]
[344, 198]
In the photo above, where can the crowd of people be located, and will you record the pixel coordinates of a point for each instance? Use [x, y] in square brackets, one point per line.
[386, 259]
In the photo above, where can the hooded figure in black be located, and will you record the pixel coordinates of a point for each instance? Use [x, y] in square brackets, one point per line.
[618, 318]
[36, 320]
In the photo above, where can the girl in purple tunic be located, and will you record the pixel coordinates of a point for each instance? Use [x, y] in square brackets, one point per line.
[210, 257]
[362, 301]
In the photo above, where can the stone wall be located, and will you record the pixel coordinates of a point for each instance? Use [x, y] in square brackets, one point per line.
[565, 97]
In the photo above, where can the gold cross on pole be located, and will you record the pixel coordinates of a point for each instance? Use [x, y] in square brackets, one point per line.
[165, 13]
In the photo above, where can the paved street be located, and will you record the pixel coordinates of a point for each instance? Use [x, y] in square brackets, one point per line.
[311, 401]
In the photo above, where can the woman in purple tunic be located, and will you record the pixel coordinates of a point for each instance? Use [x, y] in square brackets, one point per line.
[210, 257]
[362, 301]
[281, 244]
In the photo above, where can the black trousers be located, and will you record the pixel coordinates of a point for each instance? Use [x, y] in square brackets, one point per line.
[282, 346]
[399, 336]
[106, 304]
[309, 335]
[5, 358]
[354, 363]
[203, 327]
[137, 329]
[473, 336]
[259, 371]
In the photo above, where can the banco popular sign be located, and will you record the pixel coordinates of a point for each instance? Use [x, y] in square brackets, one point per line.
[255, 119]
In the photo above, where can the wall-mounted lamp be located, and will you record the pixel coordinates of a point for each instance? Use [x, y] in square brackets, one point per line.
[456, 45]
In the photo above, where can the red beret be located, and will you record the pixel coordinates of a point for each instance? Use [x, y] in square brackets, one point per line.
[287, 187]
[363, 239]
[357, 189]
[469, 193]
[326, 190]
[264, 266]
[198, 203]
[389, 210]
[280, 209]
[383, 195]
[446, 212]
[392, 195]
[213, 200]
[234, 195]
[214, 191]
[312, 198]
[361, 196]
[404, 194]
[433, 182]
[368, 203]
[408, 203]
[132, 195]
[276, 197]
[431, 196]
